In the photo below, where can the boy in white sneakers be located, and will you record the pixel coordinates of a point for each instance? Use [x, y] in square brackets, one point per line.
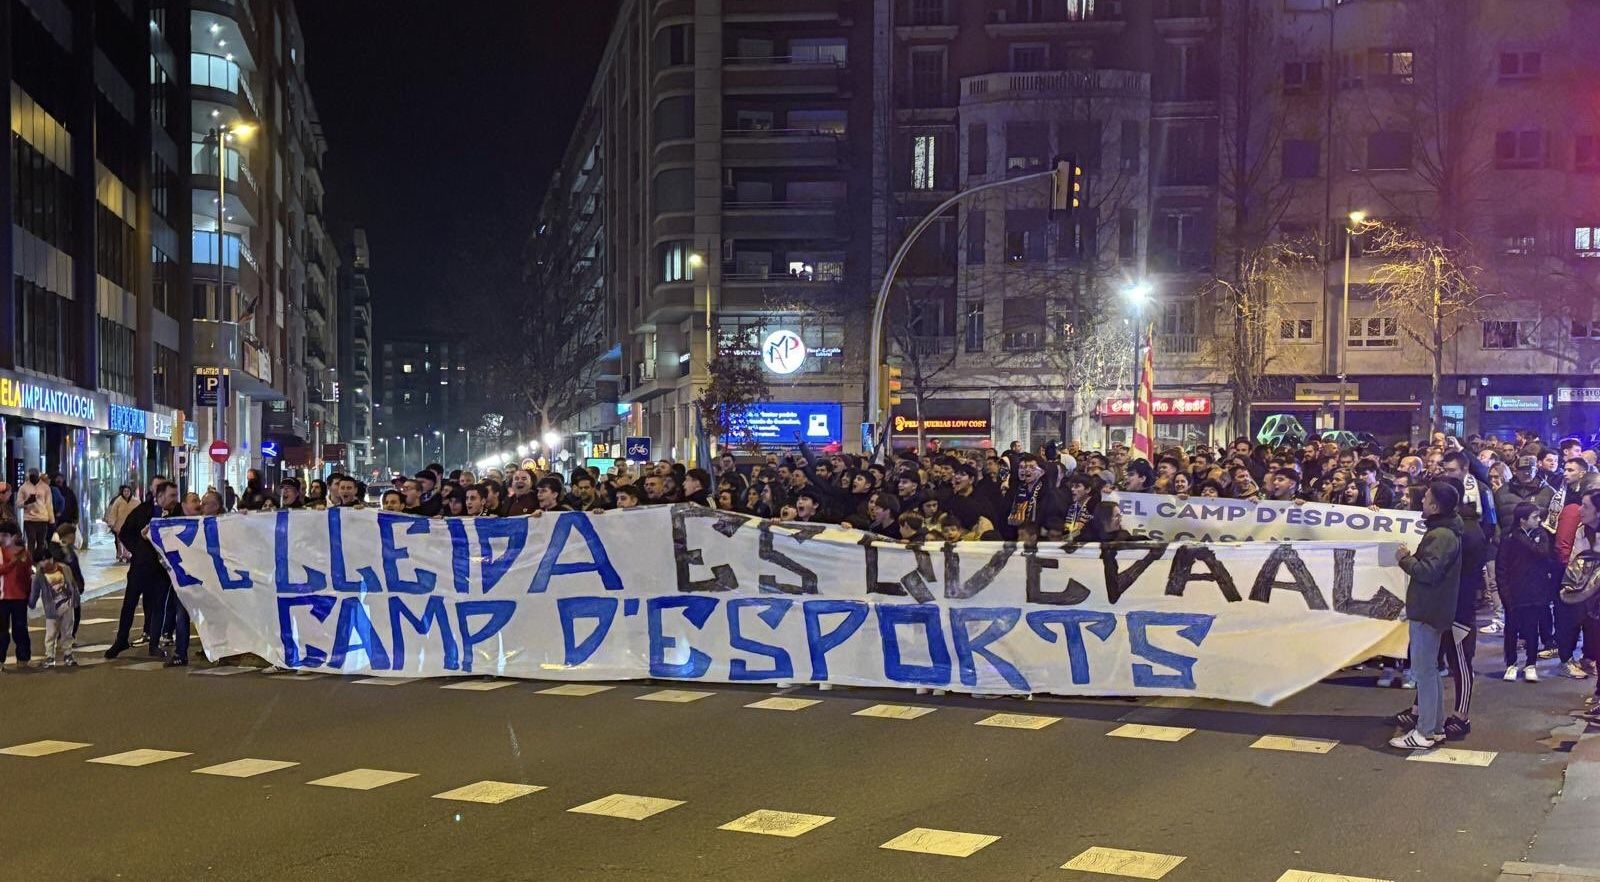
[57, 591]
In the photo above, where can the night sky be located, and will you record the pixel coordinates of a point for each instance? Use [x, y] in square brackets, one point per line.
[444, 121]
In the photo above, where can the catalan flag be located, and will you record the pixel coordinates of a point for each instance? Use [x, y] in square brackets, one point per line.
[1144, 416]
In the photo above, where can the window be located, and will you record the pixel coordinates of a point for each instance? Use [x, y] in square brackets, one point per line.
[48, 328]
[925, 318]
[1373, 333]
[1586, 240]
[1519, 235]
[972, 326]
[1023, 321]
[1295, 330]
[674, 46]
[928, 12]
[977, 234]
[1391, 67]
[1521, 149]
[1176, 326]
[1302, 77]
[1520, 65]
[674, 190]
[927, 76]
[116, 357]
[405, 368]
[923, 150]
[1027, 146]
[674, 118]
[168, 378]
[1301, 158]
[675, 263]
[977, 149]
[1075, 235]
[1183, 246]
[1128, 235]
[818, 50]
[1081, 140]
[1389, 151]
[1130, 146]
[1585, 330]
[1030, 56]
[1027, 10]
[1586, 153]
[1025, 235]
[163, 281]
[1509, 335]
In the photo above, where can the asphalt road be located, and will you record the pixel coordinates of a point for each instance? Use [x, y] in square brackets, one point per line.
[1029, 800]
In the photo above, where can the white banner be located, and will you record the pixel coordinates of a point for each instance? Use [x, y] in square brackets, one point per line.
[689, 593]
[1198, 519]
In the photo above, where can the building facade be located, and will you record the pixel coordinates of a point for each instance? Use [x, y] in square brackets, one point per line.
[120, 284]
[425, 404]
[355, 394]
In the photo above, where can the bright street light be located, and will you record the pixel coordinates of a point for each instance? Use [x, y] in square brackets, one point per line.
[1138, 293]
[1358, 217]
[522, 450]
[696, 260]
[552, 439]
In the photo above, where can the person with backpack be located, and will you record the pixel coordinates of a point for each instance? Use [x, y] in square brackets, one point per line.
[1580, 586]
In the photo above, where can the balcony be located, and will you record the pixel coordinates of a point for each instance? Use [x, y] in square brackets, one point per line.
[226, 345]
[809, 74]
[760, 290]
[776, 148]
[768, 11]
[243, 192]
[220, 80]
[668, 302]
[1177, 344]
[1055, 85]
[781, 220]
[1074, 18]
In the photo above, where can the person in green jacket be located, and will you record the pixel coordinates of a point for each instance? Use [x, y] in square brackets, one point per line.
[1435, 579]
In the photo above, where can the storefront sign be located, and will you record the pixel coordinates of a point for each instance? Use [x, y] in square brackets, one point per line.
[952, 418]
[127, 420]
[1178, 408]
[160, 427]
[1326, 392]
[781, 424]
[1521, 403]
[783, 352]
[1578, 394]
[37, 399]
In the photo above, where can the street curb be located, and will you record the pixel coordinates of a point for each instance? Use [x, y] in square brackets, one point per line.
[1568, 832]
[1517, 871]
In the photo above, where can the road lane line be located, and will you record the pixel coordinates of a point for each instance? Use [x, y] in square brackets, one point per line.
[576, 690]
[489, 792]
[1018, 721]
[142, 757]
[362, 779]
[43, 748]
[894, 711]
[1453, 756]
[1121, 862]
[1295, 745]
[245, 768]
[781, 703]
[1150, 733]
[675, 696]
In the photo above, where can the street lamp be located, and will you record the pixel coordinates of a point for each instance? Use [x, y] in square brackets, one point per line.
[1138, 295]
[402, 440]
[522, 450]
[1357, 219]
[223, 133]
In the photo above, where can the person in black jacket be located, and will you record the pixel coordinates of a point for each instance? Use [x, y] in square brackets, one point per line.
[1035, 498]
[147, 579]
[1526, 574]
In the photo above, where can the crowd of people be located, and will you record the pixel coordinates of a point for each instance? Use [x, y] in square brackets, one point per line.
[1513, 528]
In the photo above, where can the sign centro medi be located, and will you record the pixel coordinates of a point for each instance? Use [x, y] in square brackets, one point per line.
[784, 352]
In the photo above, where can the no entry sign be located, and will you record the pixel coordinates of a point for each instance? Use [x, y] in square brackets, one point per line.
[219, 451]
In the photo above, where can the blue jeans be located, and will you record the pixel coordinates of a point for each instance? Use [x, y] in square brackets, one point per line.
[1425, 641]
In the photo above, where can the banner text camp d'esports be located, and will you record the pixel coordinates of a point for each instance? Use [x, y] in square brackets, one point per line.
[689, 593]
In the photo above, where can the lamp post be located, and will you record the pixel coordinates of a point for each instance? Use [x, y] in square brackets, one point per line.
[422, 451]
[1138, 296]
[443, 456]
[221, 134]
[402, 440]
[1357, 218]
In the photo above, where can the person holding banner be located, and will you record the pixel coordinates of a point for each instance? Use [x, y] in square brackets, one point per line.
[1434, 581]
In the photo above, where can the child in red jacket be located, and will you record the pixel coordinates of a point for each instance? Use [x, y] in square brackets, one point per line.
[16, 585]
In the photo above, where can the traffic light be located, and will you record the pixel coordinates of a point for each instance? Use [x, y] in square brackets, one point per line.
[1066, 189]
[894, 386]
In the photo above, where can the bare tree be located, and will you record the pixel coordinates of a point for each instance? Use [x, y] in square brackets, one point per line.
[1431, 293]
[1263, 276]
[736, 380]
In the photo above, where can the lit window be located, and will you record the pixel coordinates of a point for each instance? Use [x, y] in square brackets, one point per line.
[1586, 241]
[922, 156]
[405, 368]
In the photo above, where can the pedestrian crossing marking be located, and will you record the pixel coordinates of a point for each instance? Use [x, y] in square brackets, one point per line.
[1018, 721]
[950, 843]
[1120, 862]
[142, 666]
[624, 805]
[362, 779]
[382, 681]
[677, 696]
[221, 671]
[489, 792]
[894, 711]
[43, 748]
[245, 768]
[1297, 745]
[1151, 733]
[780, 703]
[774, 823]
[1454, 757]
[480, 685]
[97, 621]
[142, 757]
[577, 690]
[1309, 876]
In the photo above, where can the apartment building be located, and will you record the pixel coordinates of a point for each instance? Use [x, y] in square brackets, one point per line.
[355, 395]
[425, 404]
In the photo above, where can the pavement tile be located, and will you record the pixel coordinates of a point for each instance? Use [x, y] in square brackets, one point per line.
[577, 690]
[1296, 745]
[1121, 862]
[362, 779]
[42, 748]
[1453, 756]
[775, 823]
[1309, 876]
[623, 805]
[491, 792]
[894, 712]
[1018, 721]
[245, 768]
[950, 843]
[782, 703]
[141, 757]
[1150, 733]
[676, 696]
[479, 685]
